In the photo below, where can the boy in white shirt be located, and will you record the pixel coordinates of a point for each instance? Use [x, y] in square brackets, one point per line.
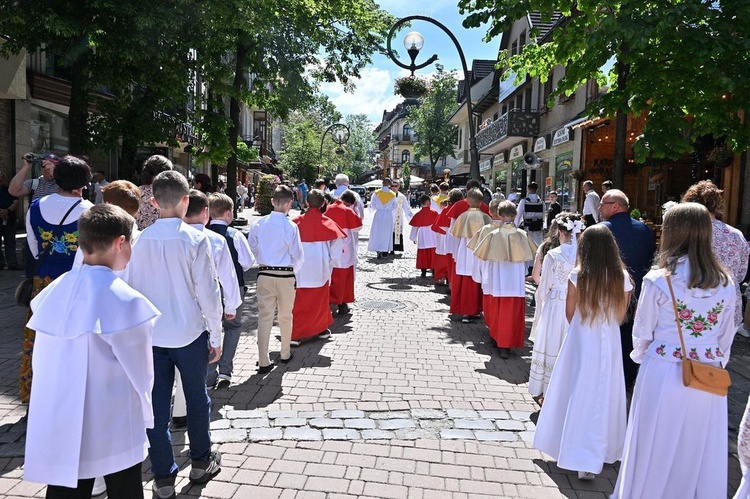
[197, 217]
[221, 209]
[172, 267]
[83, 424]
[276, 244]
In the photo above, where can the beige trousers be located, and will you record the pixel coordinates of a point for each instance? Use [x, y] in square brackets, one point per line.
[273, 292]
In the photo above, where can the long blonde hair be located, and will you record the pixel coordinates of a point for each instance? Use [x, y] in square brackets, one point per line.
[688, 231]
[601, 276]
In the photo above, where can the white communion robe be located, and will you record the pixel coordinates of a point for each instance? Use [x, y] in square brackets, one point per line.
[93, 374]
[669, 423]
[582, 422]
[552, 323]
[383, 202]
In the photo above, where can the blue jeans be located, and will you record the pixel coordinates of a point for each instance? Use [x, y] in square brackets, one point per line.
[232, 332]
[192, 361]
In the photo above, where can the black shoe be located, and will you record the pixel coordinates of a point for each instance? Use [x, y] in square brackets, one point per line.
[424, 272]
[179, 422]
[325, 334]
[265, 369]
[343, 309]
[285, 361]
[505, 353]
[223, 382]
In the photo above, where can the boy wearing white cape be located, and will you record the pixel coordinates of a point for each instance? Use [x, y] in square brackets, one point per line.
[93, 369]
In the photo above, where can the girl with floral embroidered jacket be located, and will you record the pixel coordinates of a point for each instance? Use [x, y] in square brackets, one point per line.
[669, 422]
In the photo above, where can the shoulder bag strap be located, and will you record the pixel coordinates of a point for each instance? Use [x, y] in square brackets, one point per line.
[62, 222]
[676, 316]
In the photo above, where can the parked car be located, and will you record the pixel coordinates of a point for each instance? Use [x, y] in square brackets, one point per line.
[361, 191]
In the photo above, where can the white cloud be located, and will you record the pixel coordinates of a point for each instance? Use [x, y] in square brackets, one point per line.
[372, 96]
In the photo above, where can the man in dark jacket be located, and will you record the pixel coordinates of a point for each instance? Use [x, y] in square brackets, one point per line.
[637, 245]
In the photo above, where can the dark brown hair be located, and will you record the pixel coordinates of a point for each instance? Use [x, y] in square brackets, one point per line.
[124, 194]
[100, 225]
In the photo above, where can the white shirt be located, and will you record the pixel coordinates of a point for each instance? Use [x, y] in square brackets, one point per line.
[172, 266]
[591, 204]
[275, 242]
[53, 208]
[222, 259]
[99, 196]
[521, 210]
[244, 254]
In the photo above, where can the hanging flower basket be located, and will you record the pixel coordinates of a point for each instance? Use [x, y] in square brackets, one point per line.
[410, 87]
[720, 156]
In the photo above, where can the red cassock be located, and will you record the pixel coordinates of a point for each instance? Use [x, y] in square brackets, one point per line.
[342, 278]
[458, 208]
[311, 314]
[441, 261]
[466, 295]
[423, 220]
[505, 316]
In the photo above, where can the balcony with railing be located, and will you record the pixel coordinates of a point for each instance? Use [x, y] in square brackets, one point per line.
[407, 138]
[513, 124]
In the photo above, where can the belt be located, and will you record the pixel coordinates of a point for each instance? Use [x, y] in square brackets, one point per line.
[280, 269]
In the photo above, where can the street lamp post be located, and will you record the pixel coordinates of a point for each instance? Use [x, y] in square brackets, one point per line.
[413, 41]
[339, 134]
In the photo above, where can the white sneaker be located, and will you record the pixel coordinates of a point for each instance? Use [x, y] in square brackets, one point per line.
[742, 331]
[295, 343]
[586, 475]
[100, 486]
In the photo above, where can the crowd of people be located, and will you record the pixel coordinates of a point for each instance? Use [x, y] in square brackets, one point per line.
[609, 315]
[614, 318]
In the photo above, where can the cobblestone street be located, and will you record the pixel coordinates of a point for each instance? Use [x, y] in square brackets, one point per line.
[400, 402]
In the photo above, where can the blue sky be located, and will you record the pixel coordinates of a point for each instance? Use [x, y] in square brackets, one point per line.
[374, 92]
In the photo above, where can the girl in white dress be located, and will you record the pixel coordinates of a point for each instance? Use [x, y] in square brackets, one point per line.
[551, 241]
[582, 423]
[676, 443]
[551, 293]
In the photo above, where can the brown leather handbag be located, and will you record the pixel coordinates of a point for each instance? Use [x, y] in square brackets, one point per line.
[696, 374]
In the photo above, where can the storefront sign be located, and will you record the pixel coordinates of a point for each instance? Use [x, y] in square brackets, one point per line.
[561, 136]
[500, 158]
[540, 144]
[516, 152]
[485, 165]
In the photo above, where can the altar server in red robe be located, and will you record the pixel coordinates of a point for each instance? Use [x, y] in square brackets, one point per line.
[422, 234]
[503, 276]
[322, 244]
[466, 294]
[441, 258]
[342, 278]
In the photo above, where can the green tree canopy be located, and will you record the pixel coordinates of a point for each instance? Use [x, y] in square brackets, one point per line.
[436, 137]
[682, 63]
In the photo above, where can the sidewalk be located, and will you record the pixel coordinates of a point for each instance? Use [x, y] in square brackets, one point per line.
[400, 403]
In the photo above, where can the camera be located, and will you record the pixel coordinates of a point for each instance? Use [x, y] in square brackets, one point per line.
[31, 157]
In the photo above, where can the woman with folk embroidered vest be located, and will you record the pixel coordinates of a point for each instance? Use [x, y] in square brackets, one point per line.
[52, 233]
[670, 423]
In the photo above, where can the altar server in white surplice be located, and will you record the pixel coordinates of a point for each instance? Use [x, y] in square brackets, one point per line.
[93, 371]
[383, 202]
